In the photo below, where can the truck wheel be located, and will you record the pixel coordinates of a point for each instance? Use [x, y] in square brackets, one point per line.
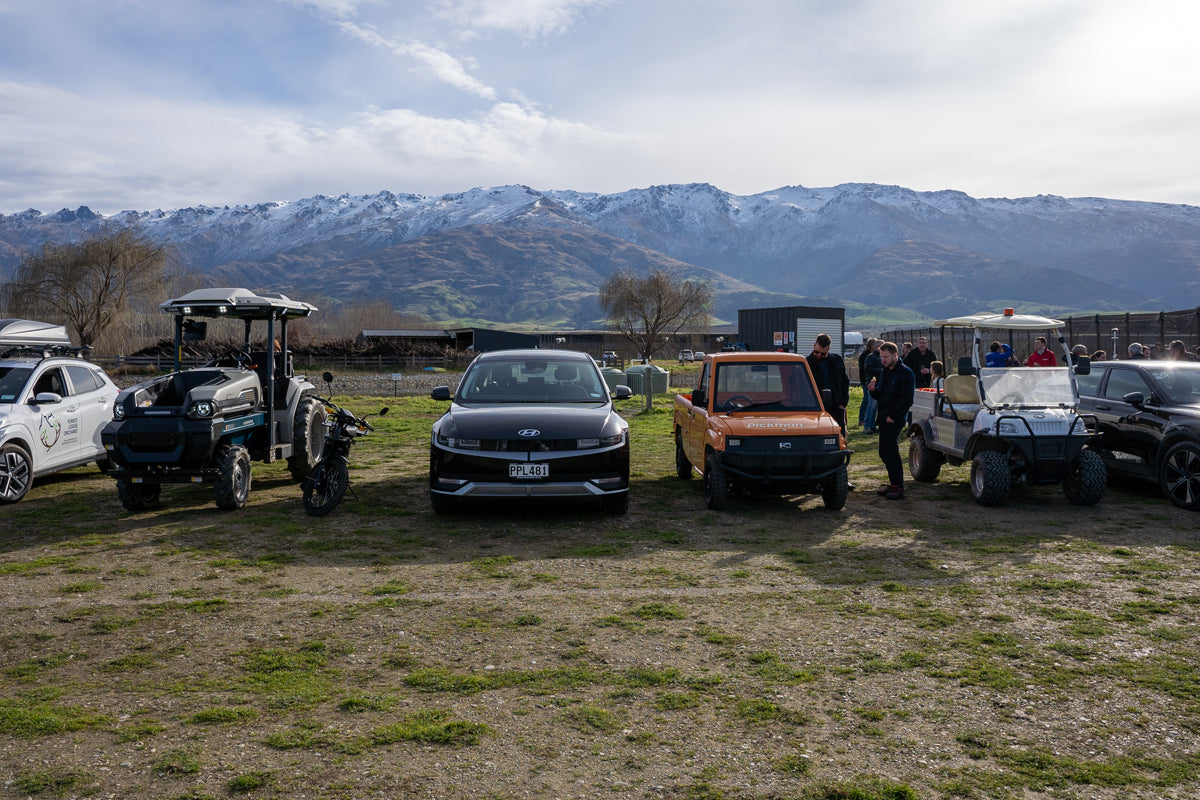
[924, 464]
[716, 485]
[308, 437]
[138, 496]
[990, 478]
[233, 477]
[683, 467]
[1179, 475]
[16, 473]
[836, 490]
[1085, 480]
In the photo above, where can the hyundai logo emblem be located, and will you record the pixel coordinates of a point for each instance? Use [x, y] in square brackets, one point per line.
[528, 432]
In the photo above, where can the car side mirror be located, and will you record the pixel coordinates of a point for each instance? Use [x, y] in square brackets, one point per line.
[440, 393]
[698, 398]
[1083, 365]
[1135, 399]
[622, 392]
[45, 399]
[827, 399]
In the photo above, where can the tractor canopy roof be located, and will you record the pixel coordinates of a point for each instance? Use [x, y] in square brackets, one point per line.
[239, 303]
[1006, 321]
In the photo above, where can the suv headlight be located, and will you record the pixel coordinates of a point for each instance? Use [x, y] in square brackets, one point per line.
[201, 409]
[458, 442]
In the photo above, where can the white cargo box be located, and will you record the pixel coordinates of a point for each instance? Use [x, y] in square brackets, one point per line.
[28, 333]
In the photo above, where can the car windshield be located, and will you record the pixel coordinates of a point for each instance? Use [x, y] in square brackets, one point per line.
[1028, 386]
[12, 381]
[780, 385]
[1180, 382]
[532, 380]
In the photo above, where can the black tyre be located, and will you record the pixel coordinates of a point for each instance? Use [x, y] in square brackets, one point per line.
[990, 478]
[325, 487]
[683, 467]
[716, 484]
[16, 473]
[442, 503]
[836, 490]
[105, 465]
[1086, 479]
[616, 504]
[138, 496]
[233, 477]
[308, 437]
[1179, 475]
[924, 464]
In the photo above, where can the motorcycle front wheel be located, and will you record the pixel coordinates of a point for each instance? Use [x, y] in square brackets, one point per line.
[325, 487]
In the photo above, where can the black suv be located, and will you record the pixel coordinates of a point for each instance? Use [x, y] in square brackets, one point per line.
[1148, 421]
[205, 425]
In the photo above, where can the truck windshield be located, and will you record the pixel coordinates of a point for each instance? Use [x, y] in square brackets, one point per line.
[1039, 387]
[780, 385]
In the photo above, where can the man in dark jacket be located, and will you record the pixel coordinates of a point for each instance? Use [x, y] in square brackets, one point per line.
[919, 360]
[894, 392]
[830, 371]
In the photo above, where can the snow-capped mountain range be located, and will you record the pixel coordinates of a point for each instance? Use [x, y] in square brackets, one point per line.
[864, 245]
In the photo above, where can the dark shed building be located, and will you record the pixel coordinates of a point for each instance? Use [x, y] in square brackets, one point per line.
[791, 328]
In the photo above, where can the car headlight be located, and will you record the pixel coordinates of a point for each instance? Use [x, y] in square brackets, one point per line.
[1009, 428]
[202, 409]
[458, 442]
[119, 411]
[610, 441]
[733, 442]
[831, 442]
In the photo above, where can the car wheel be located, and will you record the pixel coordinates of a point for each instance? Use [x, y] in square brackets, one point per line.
[138, 497]
[923, 464]
[616, 504]
[308, 437]
[233, 477]
[1179, 475]
[1086, 479]
[16, 473]
[683, 467]
[716, 484]
[990, 478]
[442, 504]
[836, 490]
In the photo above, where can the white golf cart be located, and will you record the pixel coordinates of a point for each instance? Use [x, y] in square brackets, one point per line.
[1010, 423]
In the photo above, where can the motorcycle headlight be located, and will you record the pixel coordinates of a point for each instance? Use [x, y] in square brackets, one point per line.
[202, 409]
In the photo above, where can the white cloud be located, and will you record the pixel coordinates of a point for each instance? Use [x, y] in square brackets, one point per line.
[529, 18]
[437, 63]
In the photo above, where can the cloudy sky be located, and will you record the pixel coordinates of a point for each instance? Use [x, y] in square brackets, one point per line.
[142, 104]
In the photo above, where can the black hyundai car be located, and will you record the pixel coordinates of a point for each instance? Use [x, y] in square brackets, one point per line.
[1148, 415]
[530, 425]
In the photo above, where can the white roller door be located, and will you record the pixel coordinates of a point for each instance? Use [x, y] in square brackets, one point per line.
[807, 331]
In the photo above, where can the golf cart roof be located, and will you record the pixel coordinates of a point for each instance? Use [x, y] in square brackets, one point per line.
[20, 333]
[1006, 321]
[241, 303]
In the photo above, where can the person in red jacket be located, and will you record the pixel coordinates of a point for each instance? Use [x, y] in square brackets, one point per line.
[1041, 355]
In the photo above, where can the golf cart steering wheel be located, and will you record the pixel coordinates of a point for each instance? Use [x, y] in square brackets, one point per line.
[1009, 399]
[238, 357]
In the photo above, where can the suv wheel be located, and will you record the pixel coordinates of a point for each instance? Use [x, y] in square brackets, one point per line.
[836, 490]
[308, 437]
[683, 467]
[716, 485]
[233, 477]
[138, 496]
[1085, 480]
[923, 464]
[990, 478]
[1179, 475]
[16, 473]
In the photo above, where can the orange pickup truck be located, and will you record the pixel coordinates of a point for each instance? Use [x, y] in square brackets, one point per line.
[756, 422]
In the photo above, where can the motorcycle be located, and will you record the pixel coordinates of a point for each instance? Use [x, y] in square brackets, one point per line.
[327, 483]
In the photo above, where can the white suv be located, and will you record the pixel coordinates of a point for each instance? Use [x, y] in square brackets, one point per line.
[52, 408]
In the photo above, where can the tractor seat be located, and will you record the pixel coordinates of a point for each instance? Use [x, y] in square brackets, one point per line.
[962, 395]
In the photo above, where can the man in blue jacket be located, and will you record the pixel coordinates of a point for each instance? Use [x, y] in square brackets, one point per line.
[893, 392]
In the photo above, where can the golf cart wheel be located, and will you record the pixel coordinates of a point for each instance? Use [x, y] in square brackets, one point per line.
[1086, 479]
[308, 437]
[716, 484]
[683, 467]
[325, 487]
[1179, 475]
[138, 496]
[836, 490]
[923, 464]
[990, 478]
[233, 477]
[16, 473]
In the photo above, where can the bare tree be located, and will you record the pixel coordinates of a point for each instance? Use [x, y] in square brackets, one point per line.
[89, 284]
[647, 310]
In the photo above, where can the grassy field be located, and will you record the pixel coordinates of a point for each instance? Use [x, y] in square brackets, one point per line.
[925, 648]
